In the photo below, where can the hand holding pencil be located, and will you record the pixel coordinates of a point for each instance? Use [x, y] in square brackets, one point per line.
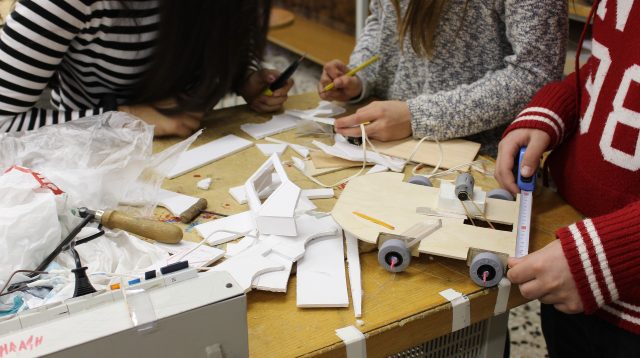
[339, 83]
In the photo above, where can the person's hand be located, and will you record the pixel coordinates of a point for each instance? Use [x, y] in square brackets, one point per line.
[387, 120]
[536, 142]
[545, 275]
[345, 87]
[181, 125]
[253, 89]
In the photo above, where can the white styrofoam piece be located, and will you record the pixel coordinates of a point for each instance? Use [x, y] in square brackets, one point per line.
[377, 169]
[176, 203]
[202, 256]
[277, 124]
[329, 121]
[240, 223]
[208, 153]
[321, 278]
[343, 149]
[274, 281]
[246, 242]
[276, 214]
[299, 164]
[204, 184]
[269, 149]
[449, 202]
[354, 340]
[355, 279]
[300, 149]
[310, 227]
[239, 194]
[322, 193]
[251, 263]
[304, 205]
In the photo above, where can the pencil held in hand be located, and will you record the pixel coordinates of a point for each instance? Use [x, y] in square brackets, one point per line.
[351, 73]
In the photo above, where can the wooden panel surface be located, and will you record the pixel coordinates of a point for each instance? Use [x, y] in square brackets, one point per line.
[399, 310]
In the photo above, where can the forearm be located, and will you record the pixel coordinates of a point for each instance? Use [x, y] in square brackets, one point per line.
[604, 255]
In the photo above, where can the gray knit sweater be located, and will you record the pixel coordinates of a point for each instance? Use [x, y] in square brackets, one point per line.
[481, 74]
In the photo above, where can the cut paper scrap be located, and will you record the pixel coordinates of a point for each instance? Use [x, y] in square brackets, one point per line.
[277, 124]
[454, 152]
[208, 153]
[269, 149]
[343, 149]
[204, 184]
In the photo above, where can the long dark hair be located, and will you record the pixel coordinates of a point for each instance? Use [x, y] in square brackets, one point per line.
[204, 49]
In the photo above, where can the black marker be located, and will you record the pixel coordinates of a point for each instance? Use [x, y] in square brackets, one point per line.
[284, 77]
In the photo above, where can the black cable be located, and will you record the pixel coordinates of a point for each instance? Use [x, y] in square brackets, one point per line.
[64, 243]
[92, 237]
[11, 277]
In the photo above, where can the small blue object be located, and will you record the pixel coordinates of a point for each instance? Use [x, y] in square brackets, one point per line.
[134, 281]
[529, 183]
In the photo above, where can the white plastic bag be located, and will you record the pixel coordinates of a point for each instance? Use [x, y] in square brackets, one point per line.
[29, 226]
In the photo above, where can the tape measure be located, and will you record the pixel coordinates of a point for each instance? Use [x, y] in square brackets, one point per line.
[526, 185]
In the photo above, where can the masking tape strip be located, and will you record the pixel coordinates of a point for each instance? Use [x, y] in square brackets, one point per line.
[354, 340]
[460, 308]
[504, 289]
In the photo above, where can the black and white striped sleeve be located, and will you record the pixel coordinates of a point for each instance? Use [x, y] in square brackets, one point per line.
[33, 43]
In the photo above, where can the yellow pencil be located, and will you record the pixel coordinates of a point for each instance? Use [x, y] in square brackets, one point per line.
[373, 59]
[374, 220]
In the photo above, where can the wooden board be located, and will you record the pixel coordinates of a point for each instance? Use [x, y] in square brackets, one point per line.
[385, 196]
[455, 151]
[280, 17]
[321, 43]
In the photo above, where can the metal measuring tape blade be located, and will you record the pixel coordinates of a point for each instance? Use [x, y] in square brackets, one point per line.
[526, 185]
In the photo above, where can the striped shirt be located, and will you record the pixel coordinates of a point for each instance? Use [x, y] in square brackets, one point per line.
[83, 49]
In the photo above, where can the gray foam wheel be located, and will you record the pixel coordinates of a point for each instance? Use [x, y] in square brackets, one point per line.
[391, 250]
[491, 264]
[501, 194]
[420, 180]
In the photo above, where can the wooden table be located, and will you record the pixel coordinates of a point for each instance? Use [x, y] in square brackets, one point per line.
[399, 310]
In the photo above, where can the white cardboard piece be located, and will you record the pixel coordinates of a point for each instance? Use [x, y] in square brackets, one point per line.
[208, 153]
[202, 256]
[247, 266]
[309, 228]
[274, 281]
[321, 278]
[240, 195]
[276, 215]
[241, 223]
[176, 203]
[355, 279]
[300, 149]
[246, 242]
[277, 124]
[345, 150]
[269, 149]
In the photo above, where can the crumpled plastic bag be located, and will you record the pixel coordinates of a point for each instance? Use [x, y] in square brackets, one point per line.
[29, 226]
[98, 161]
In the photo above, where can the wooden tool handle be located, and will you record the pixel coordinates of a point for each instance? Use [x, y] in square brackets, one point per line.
[159, 231]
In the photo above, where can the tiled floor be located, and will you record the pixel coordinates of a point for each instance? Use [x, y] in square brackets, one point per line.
[524, 321]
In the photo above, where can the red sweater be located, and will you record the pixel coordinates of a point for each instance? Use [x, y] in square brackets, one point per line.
[595, 163]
